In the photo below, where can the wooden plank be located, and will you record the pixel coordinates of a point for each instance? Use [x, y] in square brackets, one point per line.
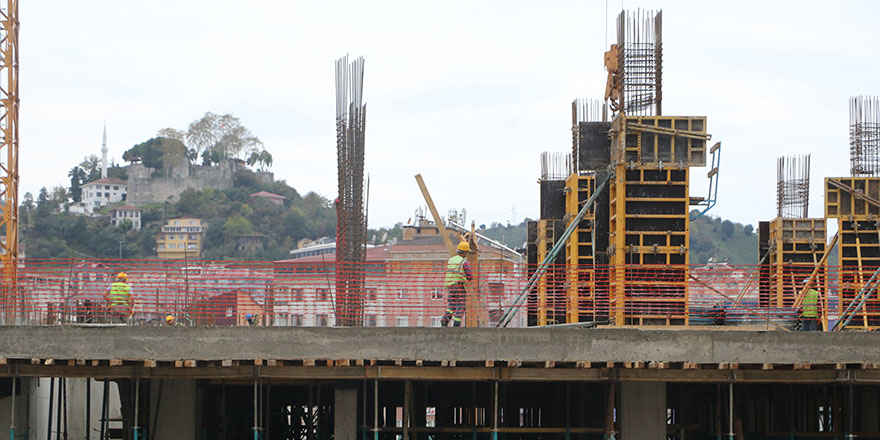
[226, 363]
[95, 362]
[419, 362]
[71, 362]
[272, 362]
[840, 366]
[115, 362]
[766, 366]
[258, 362]
[690, 366]
[189, 363]
[514, 363]
[549, 364]
[490, 364]
[583, 364]
[308, 362]
[359, 362]
[150, 363]
[2, 361]
[50, 362]
[81, 362]
[723, 365]
[801, 366]
[178, 364]
[609, 364]
[35, 361]
[398, 362]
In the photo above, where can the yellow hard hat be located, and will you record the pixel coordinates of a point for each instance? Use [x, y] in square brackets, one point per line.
[169, 319]
[464, 247]
[122, 275]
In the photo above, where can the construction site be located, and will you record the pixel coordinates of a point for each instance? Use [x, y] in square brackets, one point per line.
[602, 329]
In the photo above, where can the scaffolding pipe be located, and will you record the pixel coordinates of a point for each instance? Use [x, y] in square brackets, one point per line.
[51, 404]
[731, 435]
[12, 417]
[137, 385]
[256, 419]
[376, 408]
[558, 246]
[104, 410]
[88, 408]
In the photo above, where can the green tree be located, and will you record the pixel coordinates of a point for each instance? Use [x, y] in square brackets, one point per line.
[726, 229]
[158, 153]
[219, 137]
[748, 229]
[237, 225]
[77, 177]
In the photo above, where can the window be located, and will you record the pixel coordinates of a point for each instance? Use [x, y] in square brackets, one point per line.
[172, 246]
[193, 237]
[191, 246]
[435, 321]
[115, 187]
[296, 294]
[106, 186]
[321, 320]
[229, 312]
[281, 319]
[403, 321]
[323, 294]
[171, 237]
[371, 294]
[436, 294]
[369, 320]
[401, 293]
[296, 320]
[161, 247]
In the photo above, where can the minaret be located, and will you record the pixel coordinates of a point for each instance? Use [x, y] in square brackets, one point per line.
[104, 153]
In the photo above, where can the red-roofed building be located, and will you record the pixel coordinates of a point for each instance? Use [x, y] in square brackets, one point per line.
[274, 198]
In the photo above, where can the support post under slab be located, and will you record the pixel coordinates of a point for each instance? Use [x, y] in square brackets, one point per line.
[642, 410]
[345, 411]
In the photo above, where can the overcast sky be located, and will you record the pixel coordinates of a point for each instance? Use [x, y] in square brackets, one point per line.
[466, 93]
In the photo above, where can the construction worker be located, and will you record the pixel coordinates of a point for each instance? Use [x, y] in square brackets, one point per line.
[252, 320]
[810, 309]
[457, 273]
[119, 300]
[169, 320]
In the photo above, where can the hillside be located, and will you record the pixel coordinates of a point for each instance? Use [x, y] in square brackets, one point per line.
[710, 237]
[229, 214]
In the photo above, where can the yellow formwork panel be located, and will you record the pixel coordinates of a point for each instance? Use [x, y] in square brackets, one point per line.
[581, 282]
[656, 140]
[649, 229]
[858, 258]
[842, 204]
[797, 245]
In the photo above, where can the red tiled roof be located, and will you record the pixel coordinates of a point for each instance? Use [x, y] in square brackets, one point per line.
[267, 195]
[108, 181]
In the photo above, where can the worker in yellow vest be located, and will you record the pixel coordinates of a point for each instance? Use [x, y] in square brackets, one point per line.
[810, 310]
[457, 273]
[119, 300]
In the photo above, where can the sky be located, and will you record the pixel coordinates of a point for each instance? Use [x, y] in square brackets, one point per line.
[466, 93]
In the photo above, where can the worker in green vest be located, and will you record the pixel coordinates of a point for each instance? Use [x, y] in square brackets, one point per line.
[458, 272]
[810, 310]
[119, 300]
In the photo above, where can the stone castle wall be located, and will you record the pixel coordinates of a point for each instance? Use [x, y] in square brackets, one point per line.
[143, 188]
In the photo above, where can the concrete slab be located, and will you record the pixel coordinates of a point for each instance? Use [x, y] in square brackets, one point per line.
[437, 344]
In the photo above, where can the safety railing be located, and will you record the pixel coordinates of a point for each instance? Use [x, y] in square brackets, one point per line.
[413, 294]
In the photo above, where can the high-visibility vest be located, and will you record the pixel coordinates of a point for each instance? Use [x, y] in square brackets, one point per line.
[455, 270]
[811, 300]
[120, 294]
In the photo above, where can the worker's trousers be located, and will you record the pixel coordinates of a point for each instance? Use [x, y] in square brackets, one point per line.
[455, 302]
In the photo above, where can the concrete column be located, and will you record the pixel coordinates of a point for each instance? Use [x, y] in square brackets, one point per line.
[345, 411]
[175, 414]
[642, 410]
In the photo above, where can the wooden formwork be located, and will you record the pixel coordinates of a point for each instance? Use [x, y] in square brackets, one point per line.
[796, 247]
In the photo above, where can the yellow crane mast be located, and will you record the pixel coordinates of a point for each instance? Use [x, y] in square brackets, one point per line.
[9, 103]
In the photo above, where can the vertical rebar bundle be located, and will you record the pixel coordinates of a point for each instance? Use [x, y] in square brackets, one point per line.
[351, 228]
[793, 186]
[864, 135]
[555, 165]
[584, 110]
[640, 53]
